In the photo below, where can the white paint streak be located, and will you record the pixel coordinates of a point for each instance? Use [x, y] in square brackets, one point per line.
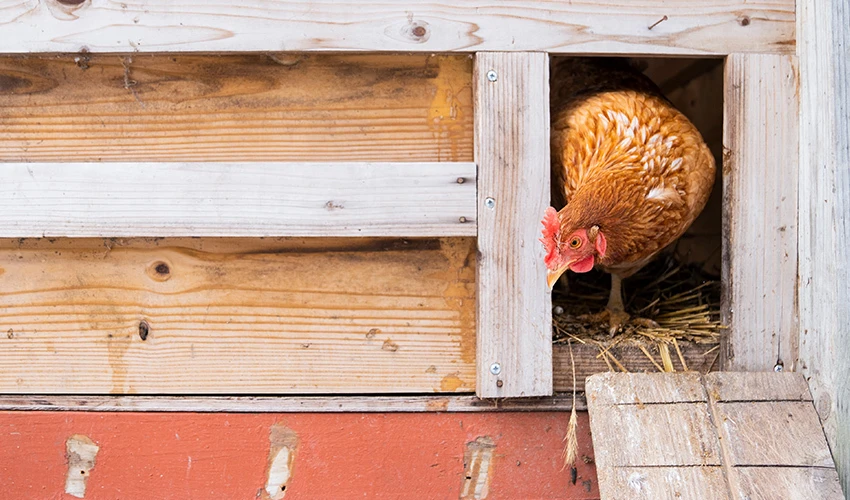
[80, 452]
[283, 445]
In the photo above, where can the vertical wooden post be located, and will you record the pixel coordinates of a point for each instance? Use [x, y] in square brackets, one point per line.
[514, 356]
[823, 41]
[760, 212]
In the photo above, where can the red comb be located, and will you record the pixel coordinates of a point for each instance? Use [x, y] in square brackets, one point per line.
[551, 230]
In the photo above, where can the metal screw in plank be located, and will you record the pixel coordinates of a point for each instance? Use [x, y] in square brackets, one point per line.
[489, 203]
[495, 368]
[492, 76]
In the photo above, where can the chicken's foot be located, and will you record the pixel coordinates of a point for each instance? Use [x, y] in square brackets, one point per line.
[615, 312]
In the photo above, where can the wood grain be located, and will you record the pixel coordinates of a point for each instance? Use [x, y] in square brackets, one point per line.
[512, 154]
[768, 433]
[760, 217]
[613, 26]
[289, 404]
[237, 316]
[235, 107]
[760, 448]
[698, 357]
[762, 483]
[757, 386]
[665, 483]
[242, 199]
[824, 234]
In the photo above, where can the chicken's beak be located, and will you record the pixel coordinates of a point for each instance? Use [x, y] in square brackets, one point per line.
[552, 276]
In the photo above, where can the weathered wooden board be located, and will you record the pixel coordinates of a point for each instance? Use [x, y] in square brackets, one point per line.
[698, 357]
[512, 154]
[289, 404]
[760, 212]
[234, 108]
[757, 386]
[242, 199]
[613, 26]
[667, 483]
[824, 234]
[338, 456]
[748, 443]
[763, 483]
[196, 316]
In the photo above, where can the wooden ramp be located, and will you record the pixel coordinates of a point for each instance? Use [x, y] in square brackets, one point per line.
[717, 436]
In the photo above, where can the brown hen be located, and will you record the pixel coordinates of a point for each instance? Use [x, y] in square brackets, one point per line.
[630, 173]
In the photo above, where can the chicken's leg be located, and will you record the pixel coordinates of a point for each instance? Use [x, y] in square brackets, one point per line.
[617, 315]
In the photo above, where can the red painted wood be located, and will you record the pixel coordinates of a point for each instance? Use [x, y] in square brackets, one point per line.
[186, 455]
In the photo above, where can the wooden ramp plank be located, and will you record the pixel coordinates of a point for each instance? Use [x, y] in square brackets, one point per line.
[237, 199]
[237, 316]
[757, 386]
[746, 443]
[514, 354]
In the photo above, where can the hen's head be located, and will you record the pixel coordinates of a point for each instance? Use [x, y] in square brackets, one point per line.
[569, 248]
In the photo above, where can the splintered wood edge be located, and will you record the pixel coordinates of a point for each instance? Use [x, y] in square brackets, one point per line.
[307, 404]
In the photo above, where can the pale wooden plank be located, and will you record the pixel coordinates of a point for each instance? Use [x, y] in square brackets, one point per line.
[236, 107]
[773, 434]
[278, 404]
[790, 483]
[514, 356]
[757, 386]
[645, 388]
[824, 235]
[760, 212]
[654, 435]
[237, 316]
[663, 483]
[613, 26]
[243, 199]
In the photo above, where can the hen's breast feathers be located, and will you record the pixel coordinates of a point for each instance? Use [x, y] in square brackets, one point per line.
[631, 163]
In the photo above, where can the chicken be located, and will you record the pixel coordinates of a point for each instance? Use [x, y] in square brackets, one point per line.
[629, 170]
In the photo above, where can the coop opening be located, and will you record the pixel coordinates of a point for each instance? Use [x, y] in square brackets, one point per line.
[612, 111]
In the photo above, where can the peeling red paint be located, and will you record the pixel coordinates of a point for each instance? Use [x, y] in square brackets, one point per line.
[376, 455]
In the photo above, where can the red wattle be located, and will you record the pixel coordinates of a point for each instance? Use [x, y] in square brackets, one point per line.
[582, 266]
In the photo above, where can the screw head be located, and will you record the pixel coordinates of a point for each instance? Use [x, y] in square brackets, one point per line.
[495, 368]
[492, 76]
[489, 203]
[778, 367]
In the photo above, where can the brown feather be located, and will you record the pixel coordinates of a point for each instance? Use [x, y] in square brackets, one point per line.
[624, 159]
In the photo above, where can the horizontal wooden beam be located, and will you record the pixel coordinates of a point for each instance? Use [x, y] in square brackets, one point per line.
[237, 316]
[273, 404]
[236, 107]
[237, 199]
[614, 26]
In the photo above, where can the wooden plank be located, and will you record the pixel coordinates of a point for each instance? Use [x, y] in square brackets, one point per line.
[757, 386]
[235, 107]
[336, 456]
[285, 404]
[664, 483]
[824, 235]
[243, 199]
[773, 433]
[760, 217]
[237, 316]
[614, 26]
[698, 357]
[514, 356]
[658, 435]
[646, 388]
[762, 483]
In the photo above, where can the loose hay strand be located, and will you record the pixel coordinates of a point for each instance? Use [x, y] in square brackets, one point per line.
[571, 450]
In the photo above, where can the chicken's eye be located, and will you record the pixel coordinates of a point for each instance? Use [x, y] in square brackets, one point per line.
[575, 242]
